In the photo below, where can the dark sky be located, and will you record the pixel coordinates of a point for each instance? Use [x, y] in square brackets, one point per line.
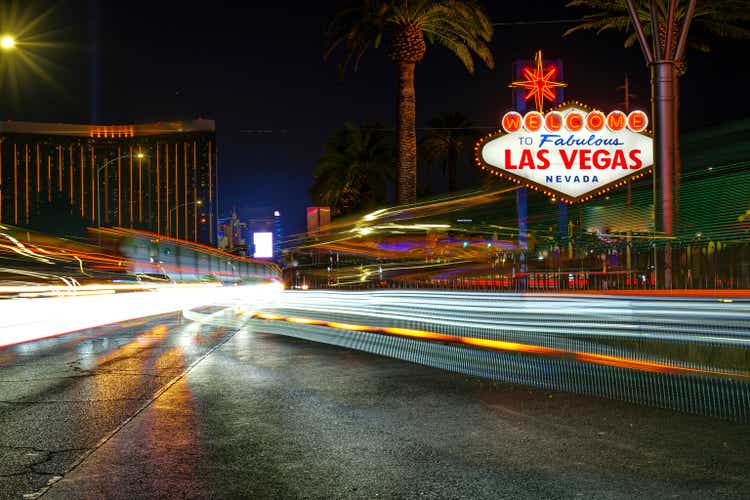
[261, 69]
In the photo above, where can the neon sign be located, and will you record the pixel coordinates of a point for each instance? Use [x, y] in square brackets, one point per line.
[539, 81]
[571, 153]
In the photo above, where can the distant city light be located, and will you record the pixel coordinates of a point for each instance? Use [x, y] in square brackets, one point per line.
[276, 213]
[263, 245]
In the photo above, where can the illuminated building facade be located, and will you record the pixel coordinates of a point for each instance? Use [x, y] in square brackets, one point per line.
[160, 177]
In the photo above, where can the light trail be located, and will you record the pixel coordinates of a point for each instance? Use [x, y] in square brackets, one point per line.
[683, 353]
[78, 308]
[614, 361]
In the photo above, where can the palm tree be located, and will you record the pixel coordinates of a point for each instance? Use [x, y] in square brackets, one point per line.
[661, 27]
[355, 168]
[450, 135]
[408, 26]
[711, 19]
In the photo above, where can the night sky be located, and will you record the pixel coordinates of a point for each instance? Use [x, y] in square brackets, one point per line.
[259, 72]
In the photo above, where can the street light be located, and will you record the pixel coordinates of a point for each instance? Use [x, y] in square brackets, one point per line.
[169, 214]
[98, 193]
[7, 42]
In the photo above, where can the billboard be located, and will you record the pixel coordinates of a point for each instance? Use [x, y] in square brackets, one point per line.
[571, 152]
[263, 242]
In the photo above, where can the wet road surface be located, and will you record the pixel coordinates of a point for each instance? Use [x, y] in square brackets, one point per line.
[259, 415]
[59, 397]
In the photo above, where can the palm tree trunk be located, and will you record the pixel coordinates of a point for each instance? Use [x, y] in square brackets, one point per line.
[452, 169]
[406, 135]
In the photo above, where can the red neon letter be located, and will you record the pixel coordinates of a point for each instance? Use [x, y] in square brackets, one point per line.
[616, 121]
[532, 122]
[574, 121]
[511, 121]
[637, 121]
[553, 121]
[595, 121]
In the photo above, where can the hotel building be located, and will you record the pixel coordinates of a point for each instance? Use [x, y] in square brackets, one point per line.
[159, 177]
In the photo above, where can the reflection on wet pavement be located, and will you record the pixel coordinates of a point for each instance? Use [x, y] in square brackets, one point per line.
[60, 397]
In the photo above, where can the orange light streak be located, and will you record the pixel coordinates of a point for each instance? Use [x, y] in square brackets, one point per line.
[38, 173]
[26, 181]
[140, 188]
[15, 183]
[105, 171]
[158, 193]
[119, 187]
[210, 196]
[195, 194]
[49, 178]
[501, 345]
[130, 191]
[93, 188]
[59, 168]
[83, 183]
[70, 153]
[185, 186]
[166, 185]
[176, 195]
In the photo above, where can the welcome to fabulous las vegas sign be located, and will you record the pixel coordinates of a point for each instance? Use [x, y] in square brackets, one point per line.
[571, 152]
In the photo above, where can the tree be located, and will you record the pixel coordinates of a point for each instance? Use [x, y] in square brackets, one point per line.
[408, 26]
[711, 19]
[661, 28]
[449, 137]
[355, 168]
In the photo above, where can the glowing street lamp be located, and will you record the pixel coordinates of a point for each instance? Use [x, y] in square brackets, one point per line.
[7, 42]
[169, 214]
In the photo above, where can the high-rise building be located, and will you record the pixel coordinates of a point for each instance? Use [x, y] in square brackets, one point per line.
[278, 235]
[160, 177]
[318, 219]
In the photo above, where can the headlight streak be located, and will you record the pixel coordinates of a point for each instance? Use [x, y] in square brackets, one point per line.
[686, 354]
[26, 319]
[564, 318]
[587, 357]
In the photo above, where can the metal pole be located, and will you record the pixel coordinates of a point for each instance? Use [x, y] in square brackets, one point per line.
[639, 31]
[98, 203]
[98, 209]
[662, 80]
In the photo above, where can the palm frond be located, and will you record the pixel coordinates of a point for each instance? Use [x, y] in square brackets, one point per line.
[715, 18]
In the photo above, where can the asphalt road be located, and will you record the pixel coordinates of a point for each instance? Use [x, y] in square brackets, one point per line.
[259, 415]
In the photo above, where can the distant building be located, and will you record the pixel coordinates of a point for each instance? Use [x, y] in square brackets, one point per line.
[266, 231]
[278, 235]
[318, 218]
[233, 236]
[160, 177]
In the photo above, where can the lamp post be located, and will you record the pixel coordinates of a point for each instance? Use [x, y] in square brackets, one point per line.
[98, 193]
[169, 214]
